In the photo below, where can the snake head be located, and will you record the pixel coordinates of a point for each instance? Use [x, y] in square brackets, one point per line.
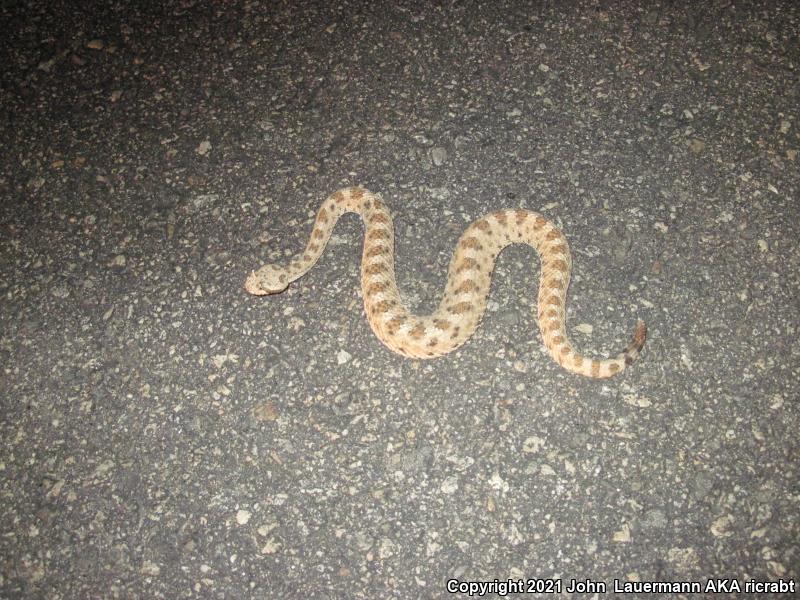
[267, 280]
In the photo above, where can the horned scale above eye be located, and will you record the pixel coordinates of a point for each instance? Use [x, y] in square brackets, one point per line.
[467, 288]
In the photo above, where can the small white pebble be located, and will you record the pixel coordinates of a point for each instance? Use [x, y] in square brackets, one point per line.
[449, 485]
[623, 535]
[532, 444]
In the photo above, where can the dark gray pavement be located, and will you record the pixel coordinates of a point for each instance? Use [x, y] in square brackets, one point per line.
[165, 435]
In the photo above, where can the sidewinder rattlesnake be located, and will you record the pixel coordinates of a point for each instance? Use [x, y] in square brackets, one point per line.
[467, 287]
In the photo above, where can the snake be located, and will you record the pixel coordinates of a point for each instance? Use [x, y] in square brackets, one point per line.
[463, 303]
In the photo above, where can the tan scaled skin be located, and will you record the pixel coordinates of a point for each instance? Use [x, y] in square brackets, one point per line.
[467, 287]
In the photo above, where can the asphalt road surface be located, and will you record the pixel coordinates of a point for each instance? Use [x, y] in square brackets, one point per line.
[163, 434]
